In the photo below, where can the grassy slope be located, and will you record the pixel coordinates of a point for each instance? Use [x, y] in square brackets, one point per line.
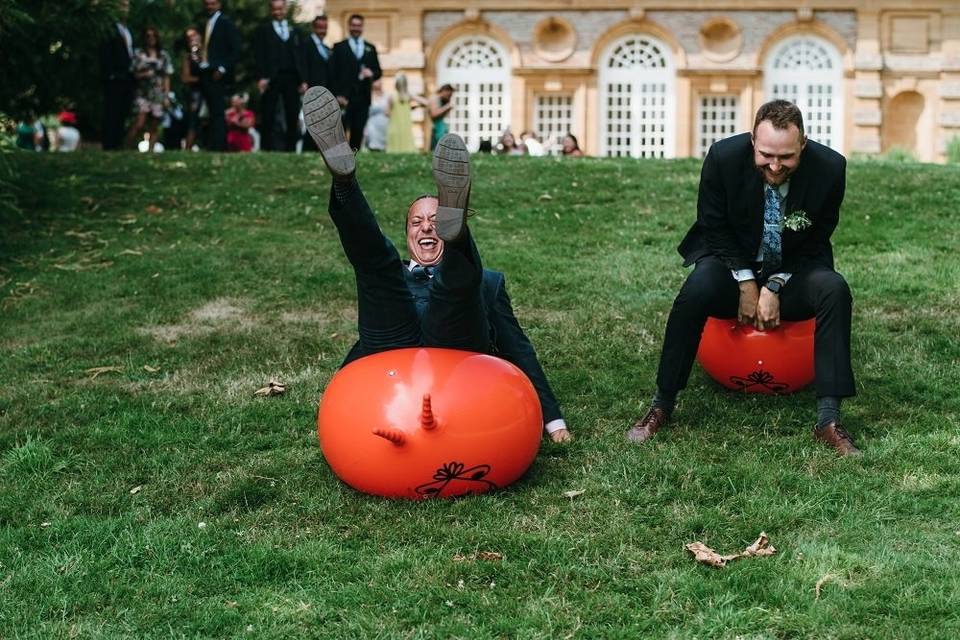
[223, 271]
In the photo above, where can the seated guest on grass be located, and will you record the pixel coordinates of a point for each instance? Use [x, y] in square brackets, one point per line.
[769, 201]
[442, 296]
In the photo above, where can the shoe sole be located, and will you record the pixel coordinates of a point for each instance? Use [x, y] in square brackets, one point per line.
[451, 172]
[321, 114]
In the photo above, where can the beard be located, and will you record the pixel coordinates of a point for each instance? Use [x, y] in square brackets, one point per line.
[780, 178]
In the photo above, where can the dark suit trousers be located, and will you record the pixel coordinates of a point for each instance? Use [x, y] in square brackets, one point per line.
[117, 104]
[712, 291]
[388, 318]
[284, 86]
[215, 95]
[355, 119]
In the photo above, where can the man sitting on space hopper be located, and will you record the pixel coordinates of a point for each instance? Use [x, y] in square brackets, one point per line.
[442, 297]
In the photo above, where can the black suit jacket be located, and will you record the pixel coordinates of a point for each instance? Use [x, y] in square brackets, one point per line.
[271, 54]
[316, 69]
[507, 337]
[730, 207]
[346, 70]
[223, 50]
[115, 62]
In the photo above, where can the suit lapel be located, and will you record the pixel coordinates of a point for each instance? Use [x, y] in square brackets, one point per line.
[755, 201]
[798, 187]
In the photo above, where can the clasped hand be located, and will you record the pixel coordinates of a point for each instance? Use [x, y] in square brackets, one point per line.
[759, 307]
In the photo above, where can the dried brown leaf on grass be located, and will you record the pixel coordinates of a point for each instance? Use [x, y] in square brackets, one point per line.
[574, 493]
[150, 369]
[273, 388]
[96, 371]
[706, 555]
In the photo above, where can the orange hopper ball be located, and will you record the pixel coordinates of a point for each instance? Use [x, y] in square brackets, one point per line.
[424, 422]
[740, 357]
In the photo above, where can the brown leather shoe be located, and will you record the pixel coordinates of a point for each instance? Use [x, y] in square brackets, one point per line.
[837, 437]
[648, 425]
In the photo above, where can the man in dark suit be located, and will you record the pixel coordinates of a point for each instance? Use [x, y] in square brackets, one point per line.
[768, 203]
[355, 66]
[116, 56]
[316, 63]
[221, 50]
[277, 49]
[442, 297]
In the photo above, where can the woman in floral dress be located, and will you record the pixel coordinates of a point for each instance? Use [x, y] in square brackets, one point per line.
[152, 69]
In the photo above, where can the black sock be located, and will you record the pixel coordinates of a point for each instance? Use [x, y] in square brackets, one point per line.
[343, 189]
[664, 400]
[828, 410]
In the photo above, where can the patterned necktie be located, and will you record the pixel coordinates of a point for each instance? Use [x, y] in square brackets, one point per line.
[771, 230]
[421, 273]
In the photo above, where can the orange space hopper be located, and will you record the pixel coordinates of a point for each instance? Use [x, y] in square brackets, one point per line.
[776, 361]
[426, 422]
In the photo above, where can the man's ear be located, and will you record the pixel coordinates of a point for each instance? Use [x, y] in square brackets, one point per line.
[803, 143]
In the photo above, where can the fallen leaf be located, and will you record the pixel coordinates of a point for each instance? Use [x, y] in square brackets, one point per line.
[545, 197]
[150, 369]
[130, 252]
[136, 490]
[96, 371]
[574, 493]
[44, 524]
[761, 547]
[273, 388]
[153, 209]
[706, 555]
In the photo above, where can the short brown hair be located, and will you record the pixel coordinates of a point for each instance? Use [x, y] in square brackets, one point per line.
[781, 114]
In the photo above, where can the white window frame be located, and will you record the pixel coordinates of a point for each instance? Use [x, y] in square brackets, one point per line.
[801, 85]
[638, 78]
[473, 116]
[726, 125]
[550, 127]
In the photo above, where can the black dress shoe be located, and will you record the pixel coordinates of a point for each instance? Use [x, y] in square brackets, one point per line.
[451, 172]
[321, 113]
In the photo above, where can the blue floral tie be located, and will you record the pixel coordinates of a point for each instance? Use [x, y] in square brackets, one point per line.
[771, 230]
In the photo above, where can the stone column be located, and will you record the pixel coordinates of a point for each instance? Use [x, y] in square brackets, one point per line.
[867, 85]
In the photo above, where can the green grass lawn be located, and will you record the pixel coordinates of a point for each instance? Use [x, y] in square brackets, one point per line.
[160, 498]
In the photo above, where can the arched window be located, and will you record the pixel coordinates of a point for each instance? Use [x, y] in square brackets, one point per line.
[479, 70]
[807, 71]
[637, 99]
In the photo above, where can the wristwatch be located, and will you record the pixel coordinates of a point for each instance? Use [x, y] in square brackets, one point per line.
[774, 286]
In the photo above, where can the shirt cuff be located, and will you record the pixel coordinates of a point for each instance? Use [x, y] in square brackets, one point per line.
[222, 70]
[204, 65]
[555, 425]
[782, 276]
[742, 275]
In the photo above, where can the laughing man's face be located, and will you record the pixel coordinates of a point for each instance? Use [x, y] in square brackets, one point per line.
[776, 152]
[422, 241]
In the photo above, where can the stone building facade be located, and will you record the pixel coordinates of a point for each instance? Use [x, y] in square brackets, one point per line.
[667, 78]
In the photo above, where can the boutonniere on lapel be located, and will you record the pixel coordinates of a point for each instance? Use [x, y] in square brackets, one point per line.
[367, 47]
[796, 221]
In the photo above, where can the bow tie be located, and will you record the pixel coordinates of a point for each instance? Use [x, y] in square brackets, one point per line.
[421, 273]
